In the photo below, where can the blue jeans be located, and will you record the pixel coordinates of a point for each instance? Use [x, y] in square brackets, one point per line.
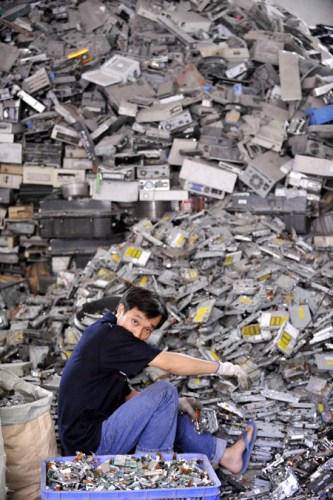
[149, 422]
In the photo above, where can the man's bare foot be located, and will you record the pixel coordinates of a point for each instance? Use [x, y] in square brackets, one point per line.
[233, 456]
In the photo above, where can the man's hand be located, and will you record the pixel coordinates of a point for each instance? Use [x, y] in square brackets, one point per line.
[189, 405]
[230, 370]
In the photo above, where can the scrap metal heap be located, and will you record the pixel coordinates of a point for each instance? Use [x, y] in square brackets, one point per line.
[239, 288]
[217, 115]
[151, 105]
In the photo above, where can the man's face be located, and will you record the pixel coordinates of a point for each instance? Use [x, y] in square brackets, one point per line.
[136, 322]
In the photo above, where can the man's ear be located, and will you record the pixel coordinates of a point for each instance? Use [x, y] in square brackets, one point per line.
[120, 310]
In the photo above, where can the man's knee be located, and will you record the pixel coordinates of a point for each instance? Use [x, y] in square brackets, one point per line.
[167, 389]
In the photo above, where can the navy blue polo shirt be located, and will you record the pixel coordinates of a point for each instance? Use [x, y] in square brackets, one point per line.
[94, 381]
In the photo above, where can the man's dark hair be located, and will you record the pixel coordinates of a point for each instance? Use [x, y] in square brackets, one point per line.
[146, 301]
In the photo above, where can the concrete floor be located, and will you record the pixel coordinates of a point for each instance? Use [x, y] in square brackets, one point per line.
[311, 11]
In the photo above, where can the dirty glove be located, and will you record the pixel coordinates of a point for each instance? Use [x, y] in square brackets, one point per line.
[189, 405]
[230, 370]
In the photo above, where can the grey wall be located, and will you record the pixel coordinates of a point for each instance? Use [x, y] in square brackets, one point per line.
[311, 11]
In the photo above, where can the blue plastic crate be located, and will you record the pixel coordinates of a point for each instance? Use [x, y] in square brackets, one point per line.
[200, 493]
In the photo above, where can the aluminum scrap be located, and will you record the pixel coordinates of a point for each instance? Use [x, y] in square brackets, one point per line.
[10, 398]
[125, 472]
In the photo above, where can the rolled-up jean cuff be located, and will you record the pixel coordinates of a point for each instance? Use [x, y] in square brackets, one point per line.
[220, 447]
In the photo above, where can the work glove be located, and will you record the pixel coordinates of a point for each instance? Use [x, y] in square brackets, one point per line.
[230, 370]
[189, 405]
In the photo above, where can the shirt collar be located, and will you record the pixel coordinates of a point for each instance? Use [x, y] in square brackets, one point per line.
[109, 317]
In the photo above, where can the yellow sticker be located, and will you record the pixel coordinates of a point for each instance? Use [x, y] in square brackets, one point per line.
[301, 312]
[264, 277]
[277, 320]
[201, 313]
[179, 240]
[143, 281]
[116, 257]
[214, 355]
[134, 253]
[197, 381]
[102, 272]
[279, 241]
[250, 330]
[193, 274]
[284, 341]
[329, 362]
[244, 299]
[320, 407]
[72, 338]
[228, 260]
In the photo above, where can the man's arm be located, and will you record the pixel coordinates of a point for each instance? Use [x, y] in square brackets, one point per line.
[182, 364]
